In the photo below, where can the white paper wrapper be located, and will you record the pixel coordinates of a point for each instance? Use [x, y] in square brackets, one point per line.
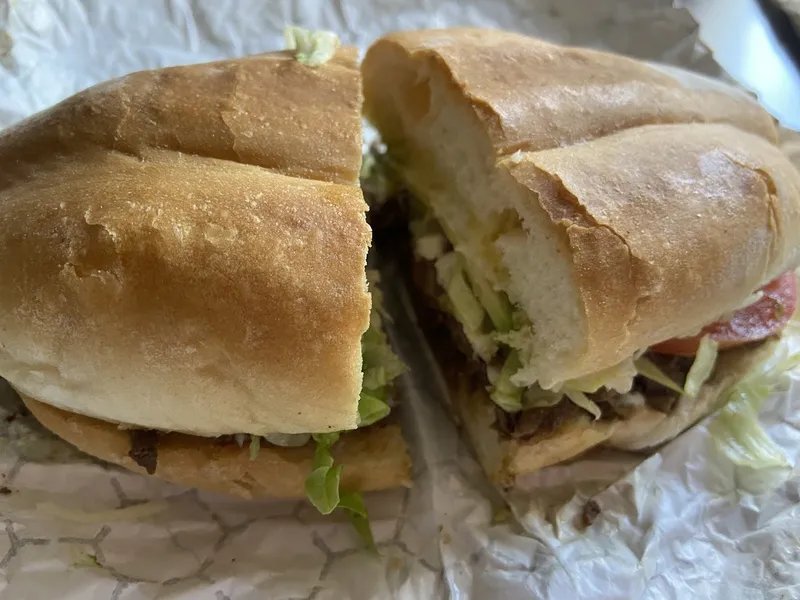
[676, 526]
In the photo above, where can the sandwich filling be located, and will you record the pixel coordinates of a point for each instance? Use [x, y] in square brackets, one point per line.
[499, 339]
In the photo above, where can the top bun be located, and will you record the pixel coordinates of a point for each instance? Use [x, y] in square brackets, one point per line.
[184, 249]
[613, 205]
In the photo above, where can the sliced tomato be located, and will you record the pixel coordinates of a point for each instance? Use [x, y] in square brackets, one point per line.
[767, 316]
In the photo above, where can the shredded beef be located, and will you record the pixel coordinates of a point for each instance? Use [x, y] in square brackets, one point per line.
[144, 448]
[527, 423]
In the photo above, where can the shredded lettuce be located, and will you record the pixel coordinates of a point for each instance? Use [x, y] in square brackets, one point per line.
[371, 409]
[461, 302]
[512, 398]
[466, 307]
[647, 368]
[504, 393]
[495, 303]
[312, 48]
[380, 364]
[618, 378]
[376, 377]
[322, 484]
[699, 372]
[535, 397]
[736, 430]
[472, 295]
[702, 367]
[430, 246]
[353, 504]
[581, 400]
[255, 446]
[322, 488]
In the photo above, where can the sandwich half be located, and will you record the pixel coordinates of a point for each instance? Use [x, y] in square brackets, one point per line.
[184, 289]
[607, 250]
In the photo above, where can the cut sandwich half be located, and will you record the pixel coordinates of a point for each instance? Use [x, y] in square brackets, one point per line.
[608, 249]
[183, 290]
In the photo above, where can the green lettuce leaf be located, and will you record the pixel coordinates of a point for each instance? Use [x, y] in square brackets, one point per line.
[736, 429]
[535, 397]
[495, 303]
[255, 446]
[581, 400]
[647, 368]
[353, 504]
[618, 377]
[312, 48]
[504, 393]
[371, 409]
[322, 484]
[380, 364]
[468, 310]
[322, 488]
[702, 366]
[326, 440]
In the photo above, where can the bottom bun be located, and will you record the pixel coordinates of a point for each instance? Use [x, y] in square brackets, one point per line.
[374, 458]
[506, 459]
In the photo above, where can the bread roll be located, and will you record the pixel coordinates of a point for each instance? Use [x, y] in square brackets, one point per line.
[615, 207]
[651, 234]
[373, 458]
[184, 249]
[502, 92]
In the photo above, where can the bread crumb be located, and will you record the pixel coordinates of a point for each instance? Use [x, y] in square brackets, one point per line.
[591, 510]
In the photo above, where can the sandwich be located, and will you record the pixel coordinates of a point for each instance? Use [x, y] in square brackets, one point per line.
[596, 252]
[184, 290]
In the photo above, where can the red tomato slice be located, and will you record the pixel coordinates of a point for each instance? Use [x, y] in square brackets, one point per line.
[760, 320]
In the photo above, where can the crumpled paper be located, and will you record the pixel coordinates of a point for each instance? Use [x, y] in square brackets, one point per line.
[674, 525]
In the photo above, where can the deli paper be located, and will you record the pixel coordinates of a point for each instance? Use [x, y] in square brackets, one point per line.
[672, 525]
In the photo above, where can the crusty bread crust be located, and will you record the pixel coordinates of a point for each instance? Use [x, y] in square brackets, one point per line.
[506, 459]
[532, 95]
[184, 249]
[667, 228]
[374, 458]
[636, 209]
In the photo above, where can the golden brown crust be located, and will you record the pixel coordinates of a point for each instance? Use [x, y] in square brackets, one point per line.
[374, 458]
[533, 95]
[266, 110]
[621, 157]
[184, 249]
[668, 228]
[506, 459]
